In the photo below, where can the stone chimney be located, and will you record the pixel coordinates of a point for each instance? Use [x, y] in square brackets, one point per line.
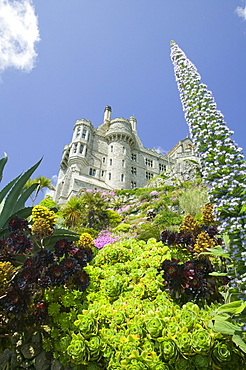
[107, 114]
[133, 122]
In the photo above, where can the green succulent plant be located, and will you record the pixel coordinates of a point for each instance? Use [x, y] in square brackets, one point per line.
[124, 324]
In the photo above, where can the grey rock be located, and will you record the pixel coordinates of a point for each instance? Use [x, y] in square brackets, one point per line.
[43, 361]
[56, 365]
[5, 358]
[31, 350]
[37, 338]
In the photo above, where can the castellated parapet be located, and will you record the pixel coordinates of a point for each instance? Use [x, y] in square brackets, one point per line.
[111, 156]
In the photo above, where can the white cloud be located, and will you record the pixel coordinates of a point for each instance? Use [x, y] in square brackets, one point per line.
[18, 34]
[160, 150]
[241, 12]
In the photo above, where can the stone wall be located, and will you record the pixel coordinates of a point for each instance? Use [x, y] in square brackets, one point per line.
[30, 356]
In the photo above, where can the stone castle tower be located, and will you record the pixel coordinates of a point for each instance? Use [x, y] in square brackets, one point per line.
[111, 156]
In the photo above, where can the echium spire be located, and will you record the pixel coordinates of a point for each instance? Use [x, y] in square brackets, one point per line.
[222, 162]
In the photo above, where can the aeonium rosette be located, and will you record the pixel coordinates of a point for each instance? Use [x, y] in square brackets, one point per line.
[41, 265]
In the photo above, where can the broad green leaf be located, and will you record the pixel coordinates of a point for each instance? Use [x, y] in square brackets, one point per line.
[223, 327]
[3, 161]
[216, 251]
[64, 231]
[226, 239]
[58, 235]
[239, 342]
[243, 209]
[234, 308]
[221, 317]
[218, 273]
[14, 194]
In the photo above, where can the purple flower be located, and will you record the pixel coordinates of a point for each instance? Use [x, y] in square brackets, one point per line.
[104, 238]
[154, 193]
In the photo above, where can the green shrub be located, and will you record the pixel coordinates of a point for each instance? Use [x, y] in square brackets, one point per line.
[114, 217]
[147, 232]
[168, 218]
[192, 200]
[128, 321]
[125, 227]
[94, 233]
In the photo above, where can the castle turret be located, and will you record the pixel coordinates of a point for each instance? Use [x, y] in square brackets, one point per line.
[80, 141]
[107, 114]
[121, 142]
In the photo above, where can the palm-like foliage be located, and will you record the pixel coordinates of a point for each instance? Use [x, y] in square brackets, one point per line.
[42, 183]
[95, 210]
[72, 212]
[89, 210]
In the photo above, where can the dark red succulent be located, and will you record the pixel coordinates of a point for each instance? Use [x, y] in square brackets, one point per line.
[63, 247]
[19, 243]
[69, 265]
[16, 300]
[26, 277]
[18, 224]
[81, 280]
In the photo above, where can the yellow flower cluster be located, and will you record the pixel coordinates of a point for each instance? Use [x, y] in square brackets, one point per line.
[203, 242]
[41, 228]
[44, 213]
[85, 241]
[190, 225]
[207, 214]
[6, 272]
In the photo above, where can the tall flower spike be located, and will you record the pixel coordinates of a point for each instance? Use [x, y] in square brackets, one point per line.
[222, 162]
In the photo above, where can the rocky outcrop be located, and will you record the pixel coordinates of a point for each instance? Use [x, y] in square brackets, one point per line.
[186, 170]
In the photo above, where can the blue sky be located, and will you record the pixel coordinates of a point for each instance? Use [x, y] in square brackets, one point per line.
[63, 60]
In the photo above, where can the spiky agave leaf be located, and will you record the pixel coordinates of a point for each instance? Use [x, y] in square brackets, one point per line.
[14, 200]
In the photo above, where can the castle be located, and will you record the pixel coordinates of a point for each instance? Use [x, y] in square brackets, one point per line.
[112, 156]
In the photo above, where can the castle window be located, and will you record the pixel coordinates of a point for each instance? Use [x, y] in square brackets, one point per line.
[133, 170]
[104, 160]
[134, 157]
[92, 172]
[148, 162]
[111, 161]
[122, 177]
[149, 175]
[75, 148]
[123, 163]
[81, 148]
[109, 176]
[112, 148]
[102, 173]
[123, 149]
[85, 152]
[84, 133]
[162, 167]
[78, 131]
[133, 184]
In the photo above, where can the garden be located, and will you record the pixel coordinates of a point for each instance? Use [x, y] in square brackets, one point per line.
[141, 279]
